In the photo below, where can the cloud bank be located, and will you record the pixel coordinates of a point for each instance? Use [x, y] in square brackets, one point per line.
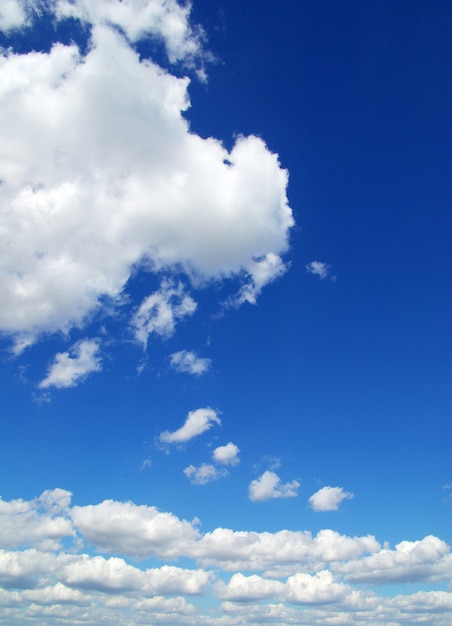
[291, 576]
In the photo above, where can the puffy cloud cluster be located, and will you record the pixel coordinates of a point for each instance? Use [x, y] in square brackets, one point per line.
[304, 579]
[101, 176]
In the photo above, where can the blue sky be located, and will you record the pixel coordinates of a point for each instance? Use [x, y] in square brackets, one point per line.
[224, 331]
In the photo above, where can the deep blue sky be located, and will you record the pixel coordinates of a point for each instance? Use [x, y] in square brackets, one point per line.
[335, 381]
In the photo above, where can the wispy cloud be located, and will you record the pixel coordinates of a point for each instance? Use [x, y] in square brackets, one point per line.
[197, 422]
[70, 368]
[329, 498]
[189, 362]
[320, 269]
[205, 473]
[269, 486]
[159, 312]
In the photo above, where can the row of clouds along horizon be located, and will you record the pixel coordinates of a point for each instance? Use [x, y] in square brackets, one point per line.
[300, 578]
[101, 176]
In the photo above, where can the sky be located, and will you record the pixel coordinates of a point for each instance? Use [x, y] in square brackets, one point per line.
[224, 339]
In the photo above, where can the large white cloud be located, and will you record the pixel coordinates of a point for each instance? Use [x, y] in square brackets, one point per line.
[138, 531]
[101, 174]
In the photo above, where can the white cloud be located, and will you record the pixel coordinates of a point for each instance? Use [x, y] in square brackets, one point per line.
[138, 531]
[322, 270]
[159, 312]
[38, 522]
[166, 19]
[329, 498]
[101, 177]
[429, 558]
[242, 588]
[269, 486]
[189, 362]
[197, 422]
[261, 272]
[319, 588]
[12, 15]
[226, 455]
[205, 473]
[69, 368]
[57, 586]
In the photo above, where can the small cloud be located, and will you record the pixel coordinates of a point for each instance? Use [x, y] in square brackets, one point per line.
[329, 498]
[70, 368]
[269, 486]
[197, 422]
[322, 270]
[226, 455]
[159, 312]
[146, 463]
[188, 362]
[203, 474]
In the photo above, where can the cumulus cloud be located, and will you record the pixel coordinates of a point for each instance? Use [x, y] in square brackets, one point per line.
[101, 177]
[138, 531]
[69, 368]
[329, 498]
[205, 473]
[197, 422]
[226, 455]
[242, 588]
[12, 15]
[429, 558]
[39, 522]
[322, 270]
[159, 312]
[188, 362]
[269, 486]
[305, 579]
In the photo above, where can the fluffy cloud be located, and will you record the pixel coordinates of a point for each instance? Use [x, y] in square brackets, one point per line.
[278, 553]
[249, 588]
[429, 558]
[56, 586]
[101, 177]
[197, 422]
[69, 368]
[205, 473]
[322, 270]
[328, 498]
[40, 522]
[269, 486]
[189, 362]
[138, 531]
[12, 15]
[226, 455]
